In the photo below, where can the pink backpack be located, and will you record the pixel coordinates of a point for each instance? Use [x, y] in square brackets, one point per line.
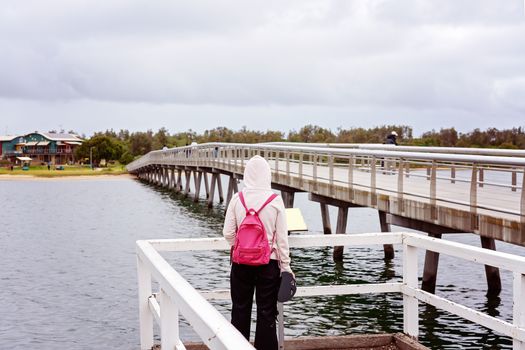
[251, 243]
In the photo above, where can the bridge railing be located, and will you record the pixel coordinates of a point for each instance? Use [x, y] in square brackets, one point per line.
[176, 295]
[480, 180]
[499, 152]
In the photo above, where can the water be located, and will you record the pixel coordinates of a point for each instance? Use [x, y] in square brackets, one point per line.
[68, 277]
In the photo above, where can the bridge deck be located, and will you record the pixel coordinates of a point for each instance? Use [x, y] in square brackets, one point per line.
[454, 193]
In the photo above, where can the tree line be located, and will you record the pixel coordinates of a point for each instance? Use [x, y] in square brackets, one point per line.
[125, 146]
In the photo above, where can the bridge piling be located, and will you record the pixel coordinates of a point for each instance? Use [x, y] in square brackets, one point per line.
[232, 189]
[342, 219]
[491, 272]
[178, 187]
[385, 227]
[206, 185]
[197, 178]
[430, 268]
[288, 198]
[212, 189]
[219, 188]
[325, 217]
[187, 178]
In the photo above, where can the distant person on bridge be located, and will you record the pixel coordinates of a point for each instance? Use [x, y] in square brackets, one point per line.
[262, 275]
[392, 138]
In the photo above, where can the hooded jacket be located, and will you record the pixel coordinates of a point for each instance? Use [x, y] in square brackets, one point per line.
[257, 189]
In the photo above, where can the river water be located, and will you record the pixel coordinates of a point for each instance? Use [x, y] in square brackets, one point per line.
[68, 274]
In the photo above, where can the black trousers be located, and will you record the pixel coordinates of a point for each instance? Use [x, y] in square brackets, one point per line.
[265, 279]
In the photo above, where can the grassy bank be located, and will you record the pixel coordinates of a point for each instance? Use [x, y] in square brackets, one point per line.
[73, 170]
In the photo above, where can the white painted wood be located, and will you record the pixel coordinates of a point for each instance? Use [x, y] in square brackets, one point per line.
[303, 241]
[213, 329]
[169, 322]
[145, 317]
[518, 294]
[410, 303]
[350, 289]
[218, 333]
[154, 308]
[478, 255]
[477, 317]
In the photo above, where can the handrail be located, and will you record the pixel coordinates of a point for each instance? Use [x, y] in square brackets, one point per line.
[177, 295]
[427, 149]
[443, 157]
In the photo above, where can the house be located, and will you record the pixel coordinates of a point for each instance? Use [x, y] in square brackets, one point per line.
[41, 147]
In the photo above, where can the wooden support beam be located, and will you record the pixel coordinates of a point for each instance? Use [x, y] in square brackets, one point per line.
[288, 198]
[212, 189]
[342, 219]
[430, 270]
[419, 225]
[491, 272]
[232, 189]
[179, 180]
[172, 178]
[331, 201]
[325, 216]
[197, 178]
[219, 188]
[385, 227]
[187, 175]
[206, 185]
[279, 187]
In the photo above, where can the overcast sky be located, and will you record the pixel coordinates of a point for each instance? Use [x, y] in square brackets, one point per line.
[90, 65]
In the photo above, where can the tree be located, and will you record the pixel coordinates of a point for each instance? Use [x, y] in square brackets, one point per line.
[101, 147]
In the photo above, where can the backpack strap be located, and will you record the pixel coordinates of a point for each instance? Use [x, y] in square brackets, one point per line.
[241, 197]
[272, 197]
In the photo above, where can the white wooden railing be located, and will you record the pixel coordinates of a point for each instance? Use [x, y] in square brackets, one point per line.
[176, 296]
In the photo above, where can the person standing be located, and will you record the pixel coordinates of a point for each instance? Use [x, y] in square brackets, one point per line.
[392, 138]
[264, 279]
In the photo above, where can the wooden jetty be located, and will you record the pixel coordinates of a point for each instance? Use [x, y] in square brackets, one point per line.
[397, 341]
[481, 192]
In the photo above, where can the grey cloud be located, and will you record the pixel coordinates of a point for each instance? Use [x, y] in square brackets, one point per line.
[409, 55]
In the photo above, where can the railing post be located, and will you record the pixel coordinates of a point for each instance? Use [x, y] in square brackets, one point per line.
[331, 171]
[236, 156]
[400, 189]
[452, 174]
[287, 154]
[145, 316]
[481, 177]
[301, 169]
[351, 177]
[474, 198]
[518, 295]
[514, 180]
[522, 204]
[373, 198]
[315, 171]
[433, 191]
[276, 165]
[169, 322]
[410, 303]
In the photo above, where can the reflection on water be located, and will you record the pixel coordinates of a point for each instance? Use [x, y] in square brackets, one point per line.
[68, 270]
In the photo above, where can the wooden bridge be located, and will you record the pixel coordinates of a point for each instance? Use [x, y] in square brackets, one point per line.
[472, 191]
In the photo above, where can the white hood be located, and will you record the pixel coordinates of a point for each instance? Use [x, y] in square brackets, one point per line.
[258, 174]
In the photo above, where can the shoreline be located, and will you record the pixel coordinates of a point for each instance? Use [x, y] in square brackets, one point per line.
[10, 177]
